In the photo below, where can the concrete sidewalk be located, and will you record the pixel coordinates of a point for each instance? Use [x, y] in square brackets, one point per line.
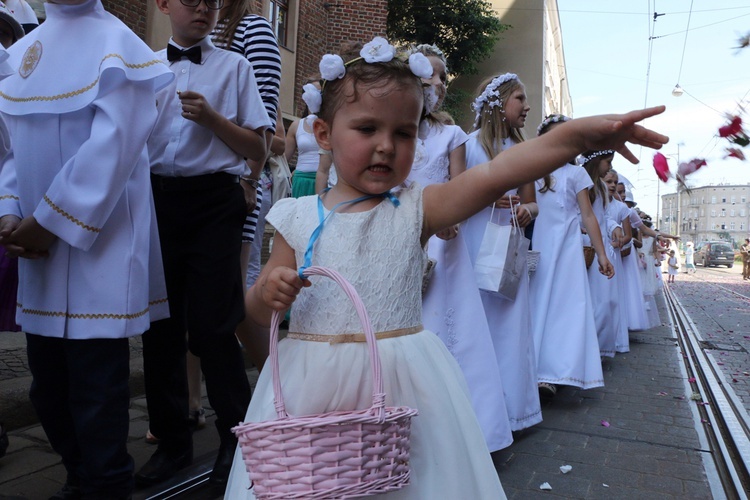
[634, 438]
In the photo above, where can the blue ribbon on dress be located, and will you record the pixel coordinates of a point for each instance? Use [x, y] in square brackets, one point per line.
[323, 218]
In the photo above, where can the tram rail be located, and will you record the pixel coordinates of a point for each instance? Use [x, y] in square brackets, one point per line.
[725, 423]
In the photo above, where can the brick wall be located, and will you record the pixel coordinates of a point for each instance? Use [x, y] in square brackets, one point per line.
[325, 25]
[131, 12]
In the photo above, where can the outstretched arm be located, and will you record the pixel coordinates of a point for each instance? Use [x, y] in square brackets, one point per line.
[531, 160]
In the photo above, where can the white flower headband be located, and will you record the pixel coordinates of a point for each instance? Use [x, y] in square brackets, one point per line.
[550, 120]
[490, 92]
[584, 159]
[332, 67]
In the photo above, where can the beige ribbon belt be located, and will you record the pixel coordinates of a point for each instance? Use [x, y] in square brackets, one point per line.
[345, 338]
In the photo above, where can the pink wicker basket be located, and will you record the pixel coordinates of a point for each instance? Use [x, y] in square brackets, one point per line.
[342, 454]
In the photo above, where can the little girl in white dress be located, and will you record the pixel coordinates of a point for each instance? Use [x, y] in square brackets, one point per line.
[501, 109]
[562, 316]
[369, 119]
[451, 304]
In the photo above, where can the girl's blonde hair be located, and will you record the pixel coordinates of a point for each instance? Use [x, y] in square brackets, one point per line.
[490, 122]
[236, 11]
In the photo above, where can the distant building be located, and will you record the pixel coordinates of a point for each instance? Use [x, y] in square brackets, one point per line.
[708, 213]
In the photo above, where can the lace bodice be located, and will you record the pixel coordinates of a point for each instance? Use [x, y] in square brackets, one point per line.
[432, 155]
[378, 251]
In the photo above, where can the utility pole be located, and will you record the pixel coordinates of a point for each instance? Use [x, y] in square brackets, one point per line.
[679, 218]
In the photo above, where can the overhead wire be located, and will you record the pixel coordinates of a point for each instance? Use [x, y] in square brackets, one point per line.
[702, 26]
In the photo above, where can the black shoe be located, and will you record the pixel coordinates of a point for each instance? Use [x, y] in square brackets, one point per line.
[222, 466]
[163, 465]
[4, 443]
[68, 492]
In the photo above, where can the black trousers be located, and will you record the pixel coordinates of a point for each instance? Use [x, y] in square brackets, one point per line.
[81, 395]
[200, 227]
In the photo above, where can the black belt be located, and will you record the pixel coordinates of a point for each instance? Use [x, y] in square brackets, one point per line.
[193, 183]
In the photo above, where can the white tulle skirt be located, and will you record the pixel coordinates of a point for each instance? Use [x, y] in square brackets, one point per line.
[449, 457]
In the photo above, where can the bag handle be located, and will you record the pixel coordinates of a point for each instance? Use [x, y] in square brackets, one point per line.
[513, 215]
[378, 396]
[512, 212]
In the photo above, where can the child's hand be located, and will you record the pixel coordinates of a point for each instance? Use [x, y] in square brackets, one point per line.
[8, 224]
[281, 287]
[508, 202]
[614, 131]
[195, 107]
[28, 239]
[448, 233]
[605, 266]
[617, 238]
[523, 215]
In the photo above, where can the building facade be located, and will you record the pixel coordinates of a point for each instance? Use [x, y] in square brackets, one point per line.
[533, 49]
[305, 29]
[708, 213]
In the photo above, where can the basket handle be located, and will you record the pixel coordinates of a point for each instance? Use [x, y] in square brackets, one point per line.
[378, 396]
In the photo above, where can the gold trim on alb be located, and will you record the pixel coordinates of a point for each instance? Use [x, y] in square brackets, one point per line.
[80, 91]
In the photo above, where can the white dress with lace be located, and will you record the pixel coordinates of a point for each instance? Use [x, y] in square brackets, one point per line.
[380, 253]
[452, 306]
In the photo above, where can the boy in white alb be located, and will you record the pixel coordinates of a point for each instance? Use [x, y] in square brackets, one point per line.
[210, 120]
[76, 206]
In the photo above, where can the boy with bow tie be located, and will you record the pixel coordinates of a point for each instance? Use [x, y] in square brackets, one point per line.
[210, 119]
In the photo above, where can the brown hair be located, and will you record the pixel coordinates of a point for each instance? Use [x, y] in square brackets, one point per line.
[360, 74]
[235, 12]
[592, 168]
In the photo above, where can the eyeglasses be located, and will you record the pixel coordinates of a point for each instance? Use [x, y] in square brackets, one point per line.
[211, 4]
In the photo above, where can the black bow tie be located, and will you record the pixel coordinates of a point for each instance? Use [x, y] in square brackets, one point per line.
[193, 54]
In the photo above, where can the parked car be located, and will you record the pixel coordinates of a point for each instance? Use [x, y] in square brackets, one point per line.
[715, 253]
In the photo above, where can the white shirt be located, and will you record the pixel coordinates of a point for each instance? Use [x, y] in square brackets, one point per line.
[181, 148]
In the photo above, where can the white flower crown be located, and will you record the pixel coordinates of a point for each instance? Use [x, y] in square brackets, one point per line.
[332, 67]
[490, 92]
[584, 159]
[551, 119]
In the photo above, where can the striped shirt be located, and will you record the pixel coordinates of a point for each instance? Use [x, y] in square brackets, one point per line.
[254, 38]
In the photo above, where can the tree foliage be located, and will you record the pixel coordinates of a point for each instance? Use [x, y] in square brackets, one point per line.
[466, 30]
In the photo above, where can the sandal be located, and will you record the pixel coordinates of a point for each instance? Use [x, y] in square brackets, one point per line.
[197, 418]
[547, 390]
[150, 438]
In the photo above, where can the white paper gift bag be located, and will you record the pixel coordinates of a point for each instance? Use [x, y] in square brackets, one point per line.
[501, 260]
